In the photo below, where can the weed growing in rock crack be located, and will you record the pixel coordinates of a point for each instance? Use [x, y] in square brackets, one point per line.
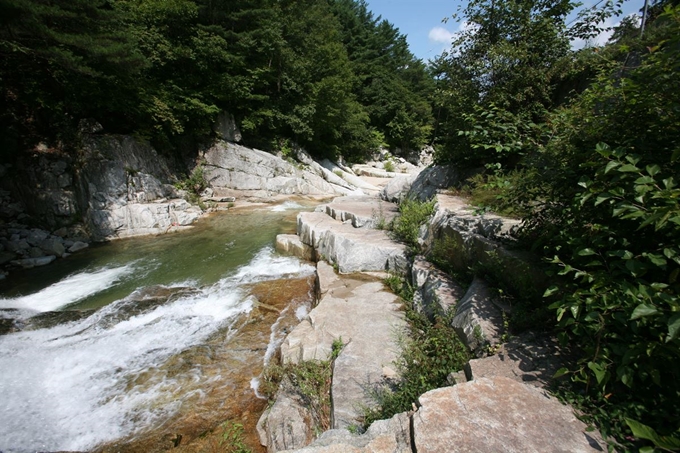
[413, 214]
[389, 166]
[399, 286]
[310, 380]
[430, 351]
[379, 217]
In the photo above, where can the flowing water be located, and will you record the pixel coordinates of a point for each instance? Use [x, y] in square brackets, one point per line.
[146, 344]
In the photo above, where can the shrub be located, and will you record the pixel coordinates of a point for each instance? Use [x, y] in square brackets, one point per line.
[413, 214]
[430, 351]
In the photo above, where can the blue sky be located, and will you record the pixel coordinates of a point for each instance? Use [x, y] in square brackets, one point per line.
[421, 21]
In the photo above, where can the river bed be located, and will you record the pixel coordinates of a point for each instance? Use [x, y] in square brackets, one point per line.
[150, 343]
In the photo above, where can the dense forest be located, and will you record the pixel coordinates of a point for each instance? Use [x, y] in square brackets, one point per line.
[328, 76]
[583, 145]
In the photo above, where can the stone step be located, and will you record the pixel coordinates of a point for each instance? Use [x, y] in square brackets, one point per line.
[362, 211]
[351, 249]
[360, 312]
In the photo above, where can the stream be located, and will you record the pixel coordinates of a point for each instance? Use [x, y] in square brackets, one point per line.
[147, 344]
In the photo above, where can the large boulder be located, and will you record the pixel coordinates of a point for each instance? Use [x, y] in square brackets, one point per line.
[136, 219]
[226, 128]
[348, 176]
[362, 211]
[434, 291]
[397, 188]
[498, 415]
[431, 180]
[467, 239]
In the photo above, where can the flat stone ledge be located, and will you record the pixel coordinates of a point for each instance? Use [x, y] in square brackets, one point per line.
[498, 415]
[351, 249]
[362, 211]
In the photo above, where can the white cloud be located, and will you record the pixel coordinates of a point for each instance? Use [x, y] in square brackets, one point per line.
[441, 35]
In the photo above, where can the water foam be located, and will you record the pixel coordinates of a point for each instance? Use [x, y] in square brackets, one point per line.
[286, 206]
[71, 289]
[76, 385]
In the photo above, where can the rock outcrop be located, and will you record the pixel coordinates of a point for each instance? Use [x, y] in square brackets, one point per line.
[383, 436]
[365, 317]
[125, 192]
[498, 415]
[351, 249]
[235, 167]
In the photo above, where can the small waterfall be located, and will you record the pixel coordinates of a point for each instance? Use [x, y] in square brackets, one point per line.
[69, 290]
[111, 375]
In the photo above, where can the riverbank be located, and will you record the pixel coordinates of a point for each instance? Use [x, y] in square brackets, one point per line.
[499, 395]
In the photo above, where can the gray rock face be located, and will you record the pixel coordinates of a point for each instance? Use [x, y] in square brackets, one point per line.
[383, 436]
[52, 246]
[434, 290]
[350, 177]
[498, 415]
[290, 244]
[137, 219]
[365, 317]
[397, 188]
[432, 179]
[362, 211]
[478, 321]
[28, 263]
[226, 127]
[528, 359]
[286, 424]
[123, 192]
[236, 167]
[77, 246]
[352, 249]
[473, 239]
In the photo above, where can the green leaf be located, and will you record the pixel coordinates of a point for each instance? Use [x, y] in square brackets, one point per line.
[550, 291]
[628, 168]
[653, 169]
[643, 310]
[561, 372]
[643, 431]
[586, 252]
[657, 259]
[644, 180]
[673, 327]
[600, 372]
[611, 165]
[603, 149]
[601, 198]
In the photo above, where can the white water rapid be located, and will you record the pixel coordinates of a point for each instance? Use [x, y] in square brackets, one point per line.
[82, 383]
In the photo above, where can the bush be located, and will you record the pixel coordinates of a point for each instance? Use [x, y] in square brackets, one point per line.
[413, 214]
[608, 218]
[430, 352]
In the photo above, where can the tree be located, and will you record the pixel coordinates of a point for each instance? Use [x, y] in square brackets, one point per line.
[394, 86]
[510, 57]
[62, 61]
